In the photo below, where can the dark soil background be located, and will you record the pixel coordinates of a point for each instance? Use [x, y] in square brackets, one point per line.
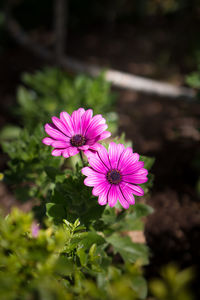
[163, 128]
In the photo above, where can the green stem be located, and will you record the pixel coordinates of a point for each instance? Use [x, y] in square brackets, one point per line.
[81, 156]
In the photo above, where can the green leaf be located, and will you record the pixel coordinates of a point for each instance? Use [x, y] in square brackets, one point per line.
[56, 212]
[148, 161]
[139, 285]
[142, 210]
[90, 239]
[129, 251]
[82, 256]
[10, 132]
[64, 265]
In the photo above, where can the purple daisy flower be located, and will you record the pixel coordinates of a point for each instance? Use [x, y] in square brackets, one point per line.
[115, 174]
[71, 134]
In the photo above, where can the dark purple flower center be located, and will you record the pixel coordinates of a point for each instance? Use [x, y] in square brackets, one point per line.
[114, 176]
[77, 140]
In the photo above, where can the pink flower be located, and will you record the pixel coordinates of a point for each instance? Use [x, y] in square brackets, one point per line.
[115, 174]
[71, 134]
[35, 230]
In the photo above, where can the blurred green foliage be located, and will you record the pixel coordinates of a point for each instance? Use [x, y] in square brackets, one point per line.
[61, 263]
[48, 92]
[193, 79]
[173, 284]
[69, 262]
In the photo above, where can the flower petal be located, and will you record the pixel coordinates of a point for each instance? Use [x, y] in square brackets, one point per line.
[56, 152]
[101, 188]
[103, 156]
[70, 151]
[54, 133]
[86, 119]
[104, 135]
[84, 147]
[103, 197]
[96, 163]
[115, 151]
[94, 122]
[87, 171]
[142, 172]
[76, 119]
[60, 125]
[131, 168]
[93, 132]
[67, 120]
[135, 178]
[124, 157]
[127, 193]
[94, 180]
[95, 147]
[135, 189]
[112, 195]
[60, 144]
[48, 141]
[122, 199]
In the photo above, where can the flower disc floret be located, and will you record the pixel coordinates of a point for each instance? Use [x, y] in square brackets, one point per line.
[77, 140]
[69, 135]
[115, 175]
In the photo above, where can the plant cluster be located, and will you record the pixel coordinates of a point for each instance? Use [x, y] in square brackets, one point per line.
[71, 246]
[94, 247]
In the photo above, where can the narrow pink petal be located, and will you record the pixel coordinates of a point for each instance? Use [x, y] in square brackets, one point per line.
[48, 141]
[60, 125]
[126, 154]
[112, 196]
[142, 172]
[103, 156]
[84, 147]
[95, 121]
[60, 144]
[54, 133]
[71, 151]
[103, 197]
[81, 111]
[104, 135]
[87, 171]
[67, 120]
[56, 152]
[94, 180]
[65, 153]
[86, 118]
[136, 190]
[89, 153]
[93, 132]
[122, 199]
[91, 142]
[115, 151]
[96, 163]
[131, 168]
[76, 119]
[101, 188]
[95, 147]
[135, 178]
[127, 193]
